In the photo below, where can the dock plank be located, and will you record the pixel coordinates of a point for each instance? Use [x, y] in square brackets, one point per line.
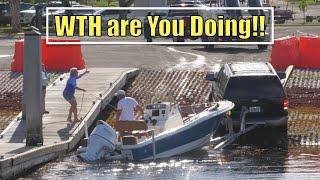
[55, 127]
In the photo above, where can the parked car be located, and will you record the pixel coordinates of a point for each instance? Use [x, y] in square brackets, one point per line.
[28, 16]
[107, 14]
[286, 14]
[4, 13]
[311, 18]
[25, 6]
[254, 86]
[67, 12]
[111, 14]
[185, 15]
[279, 19]
[162, 13]
[191, 2]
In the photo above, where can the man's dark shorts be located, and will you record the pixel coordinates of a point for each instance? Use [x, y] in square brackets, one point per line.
[68, 96]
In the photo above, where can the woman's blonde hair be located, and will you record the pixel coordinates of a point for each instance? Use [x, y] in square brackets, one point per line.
[73, 71]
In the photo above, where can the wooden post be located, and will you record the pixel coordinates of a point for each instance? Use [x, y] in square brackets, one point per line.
[32, 87]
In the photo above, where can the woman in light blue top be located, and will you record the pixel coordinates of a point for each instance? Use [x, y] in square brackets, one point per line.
[69, 90]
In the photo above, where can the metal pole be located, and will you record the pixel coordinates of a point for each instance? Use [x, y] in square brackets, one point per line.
[153, 146]
[243, 115]
[32, 87]
[86, 129]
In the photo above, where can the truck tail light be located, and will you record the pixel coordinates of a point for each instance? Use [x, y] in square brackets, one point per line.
[285, 104]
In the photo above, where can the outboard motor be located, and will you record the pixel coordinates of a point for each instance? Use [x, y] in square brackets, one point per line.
[255, 3]
[235, 14]
[101, 141]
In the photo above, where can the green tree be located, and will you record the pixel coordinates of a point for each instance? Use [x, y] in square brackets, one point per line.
[15, 15]
[303, 7]
[38, 18]
[124, 3]
[287, 4]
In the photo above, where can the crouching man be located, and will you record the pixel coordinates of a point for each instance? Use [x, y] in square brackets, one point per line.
[126, 107]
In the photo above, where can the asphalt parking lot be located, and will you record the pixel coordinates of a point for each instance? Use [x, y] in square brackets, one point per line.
[167, 57]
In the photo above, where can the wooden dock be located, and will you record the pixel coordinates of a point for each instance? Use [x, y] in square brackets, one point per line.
[59, 137]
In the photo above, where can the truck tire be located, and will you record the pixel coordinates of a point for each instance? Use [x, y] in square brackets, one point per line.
[262, 47]
[207, 46]
[309, 19]
[178, 39]
[33, 22]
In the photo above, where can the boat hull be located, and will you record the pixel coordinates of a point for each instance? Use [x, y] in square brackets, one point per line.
[195, 136]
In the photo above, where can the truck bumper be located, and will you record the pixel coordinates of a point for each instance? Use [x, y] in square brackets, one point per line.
[278, 122]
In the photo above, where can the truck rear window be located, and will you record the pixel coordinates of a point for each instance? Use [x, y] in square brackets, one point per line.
[254, 87]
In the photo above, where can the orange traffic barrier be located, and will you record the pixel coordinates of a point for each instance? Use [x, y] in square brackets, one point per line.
[55, 57]
[285, 52]
[63, 57]
[44, 52]
[310, 52]
[17, 64]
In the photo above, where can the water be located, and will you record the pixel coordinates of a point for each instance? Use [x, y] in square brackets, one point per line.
[241, 162]
[262, 154]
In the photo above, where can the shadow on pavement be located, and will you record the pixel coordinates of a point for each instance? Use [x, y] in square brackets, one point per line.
[231, 50]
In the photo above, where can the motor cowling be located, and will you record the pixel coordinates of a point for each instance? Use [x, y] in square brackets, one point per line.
[101, 141]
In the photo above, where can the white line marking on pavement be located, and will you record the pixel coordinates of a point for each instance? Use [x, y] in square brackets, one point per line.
[197, 63]
[3, 56]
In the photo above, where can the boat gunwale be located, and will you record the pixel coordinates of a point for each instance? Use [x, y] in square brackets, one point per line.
[183, 127]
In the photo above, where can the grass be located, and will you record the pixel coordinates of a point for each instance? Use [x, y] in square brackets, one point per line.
[312, 2]
[105, 4]
[101, 3]
[7, 29]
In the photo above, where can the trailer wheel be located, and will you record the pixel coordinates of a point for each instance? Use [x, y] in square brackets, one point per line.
[178, 39]
[262, 47]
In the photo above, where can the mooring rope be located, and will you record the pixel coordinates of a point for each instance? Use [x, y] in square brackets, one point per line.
[81, 104]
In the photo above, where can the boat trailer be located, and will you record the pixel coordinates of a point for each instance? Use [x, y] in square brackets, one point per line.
[228, 139]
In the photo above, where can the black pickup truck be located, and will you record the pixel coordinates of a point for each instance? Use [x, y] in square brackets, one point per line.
[256, 87]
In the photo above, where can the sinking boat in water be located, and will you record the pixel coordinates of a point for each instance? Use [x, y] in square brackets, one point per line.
[166, 134]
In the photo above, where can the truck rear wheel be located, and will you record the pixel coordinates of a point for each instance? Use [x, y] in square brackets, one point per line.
[178, 39]
[207, 46]
[262, 47]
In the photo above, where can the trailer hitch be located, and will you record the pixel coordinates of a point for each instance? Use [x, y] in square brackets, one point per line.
[224, 141]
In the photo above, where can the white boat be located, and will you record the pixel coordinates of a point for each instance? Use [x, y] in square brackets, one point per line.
[170, 134]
